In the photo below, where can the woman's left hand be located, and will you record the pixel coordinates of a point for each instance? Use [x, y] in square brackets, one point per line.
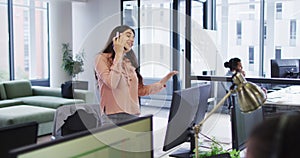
[164, 80]
[158, 86]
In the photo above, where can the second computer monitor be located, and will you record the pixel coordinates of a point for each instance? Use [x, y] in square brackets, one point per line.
[285, 68]
[188, 108]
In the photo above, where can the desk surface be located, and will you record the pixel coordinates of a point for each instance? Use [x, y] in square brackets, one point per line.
[286, 96]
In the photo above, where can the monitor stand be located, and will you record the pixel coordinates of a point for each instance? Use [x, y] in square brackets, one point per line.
[183, 152]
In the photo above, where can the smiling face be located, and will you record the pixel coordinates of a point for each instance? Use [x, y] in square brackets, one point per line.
[130, 39]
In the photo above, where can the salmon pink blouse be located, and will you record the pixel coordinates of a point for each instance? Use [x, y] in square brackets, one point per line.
[119, 87]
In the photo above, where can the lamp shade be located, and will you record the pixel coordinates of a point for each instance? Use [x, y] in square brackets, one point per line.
[250, 96]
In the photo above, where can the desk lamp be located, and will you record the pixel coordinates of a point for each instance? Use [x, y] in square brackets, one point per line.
[250, 98]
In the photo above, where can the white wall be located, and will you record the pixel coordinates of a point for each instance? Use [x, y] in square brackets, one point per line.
[85, 25]
[92, 22]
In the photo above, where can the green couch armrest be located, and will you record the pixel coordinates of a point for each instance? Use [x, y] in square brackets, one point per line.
[85, 95]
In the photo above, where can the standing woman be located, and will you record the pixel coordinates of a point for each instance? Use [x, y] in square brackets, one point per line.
[120, 83]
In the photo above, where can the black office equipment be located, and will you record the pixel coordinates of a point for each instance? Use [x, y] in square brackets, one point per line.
[242, 124]
[67, 90]
[285, 68]
[188, 108]
[79, 121]
[18, 135]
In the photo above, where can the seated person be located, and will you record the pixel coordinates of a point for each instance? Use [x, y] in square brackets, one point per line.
[234, 65]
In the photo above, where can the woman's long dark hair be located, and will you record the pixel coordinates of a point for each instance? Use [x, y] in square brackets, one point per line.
[130, 55]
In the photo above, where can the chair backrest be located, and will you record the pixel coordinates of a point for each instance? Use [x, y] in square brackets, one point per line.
[79, 121]
[18, 135]
[62, 113]
[222, 90]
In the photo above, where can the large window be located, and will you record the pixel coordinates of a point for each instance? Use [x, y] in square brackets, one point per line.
[282, 31]
[155, 36]
[130, 18]
[199, 55]
[263, 35]
[28, 40]
[238, 32]
[277, 52]
[278, 10]
[238, 25]
[293, 28]
[152, 33]
[4, 60]
[255, 31]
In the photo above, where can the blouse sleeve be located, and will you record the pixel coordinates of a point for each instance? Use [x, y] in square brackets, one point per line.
[110, 75]
[150, 89]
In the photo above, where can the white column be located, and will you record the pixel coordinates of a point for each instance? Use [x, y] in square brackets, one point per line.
[93, 21]
[60, 32]
[269, 42]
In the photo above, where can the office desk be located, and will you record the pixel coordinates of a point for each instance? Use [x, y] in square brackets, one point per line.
[282, 101]
[217, 126]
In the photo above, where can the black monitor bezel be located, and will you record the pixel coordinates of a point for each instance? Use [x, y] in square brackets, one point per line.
[188, 134]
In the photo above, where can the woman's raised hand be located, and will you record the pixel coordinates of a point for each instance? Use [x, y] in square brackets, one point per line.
[165, 79]
[158, 86]
[119, 42]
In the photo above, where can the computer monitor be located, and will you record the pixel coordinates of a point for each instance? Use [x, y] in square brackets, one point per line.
[242, 124]
[188, 107]
[18, 135]
[285, 68]
[129, 139]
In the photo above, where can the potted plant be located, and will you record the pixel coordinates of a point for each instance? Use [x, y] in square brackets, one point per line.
[73, 66]
[216, 150]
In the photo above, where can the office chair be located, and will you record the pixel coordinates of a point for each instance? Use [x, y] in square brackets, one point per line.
[79, 121]
[63, 112]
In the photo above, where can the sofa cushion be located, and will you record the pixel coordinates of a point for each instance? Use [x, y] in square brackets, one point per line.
[9, 102]
[48, 101]
[25, 113]
[2, 92]
[17, 88]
